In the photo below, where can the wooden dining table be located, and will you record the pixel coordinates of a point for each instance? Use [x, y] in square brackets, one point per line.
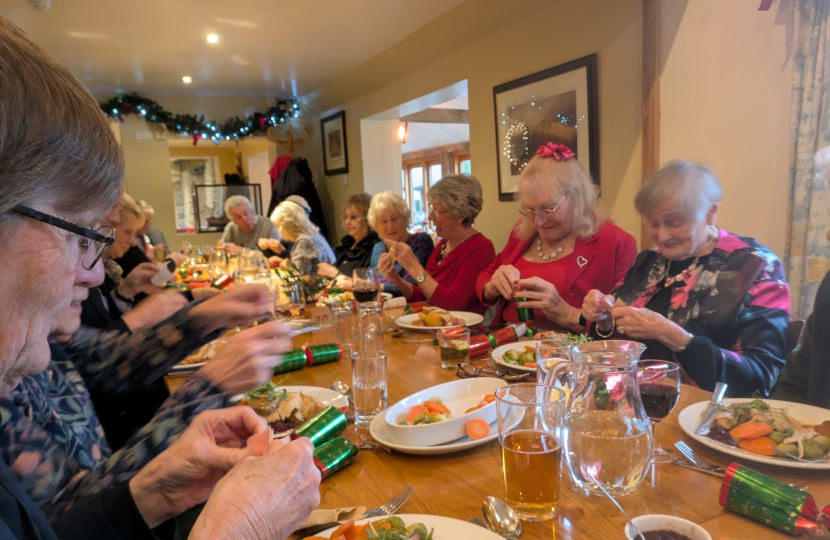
[454, 485]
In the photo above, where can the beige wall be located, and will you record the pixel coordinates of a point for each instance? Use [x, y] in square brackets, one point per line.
[227, 156]
[726, 89]
[538, 35]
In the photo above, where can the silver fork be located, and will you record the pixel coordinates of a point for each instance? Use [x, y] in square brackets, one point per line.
[694, 458]
[394, 503]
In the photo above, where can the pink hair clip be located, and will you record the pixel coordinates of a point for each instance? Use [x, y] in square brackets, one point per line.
[559, 152]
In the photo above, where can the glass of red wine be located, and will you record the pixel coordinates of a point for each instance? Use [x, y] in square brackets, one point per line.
[365, 284]
[659, 383]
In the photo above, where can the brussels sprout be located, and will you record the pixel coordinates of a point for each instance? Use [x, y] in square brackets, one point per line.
[789, 448]
[824, 442]
[511, 355]
[396, 523]
[812, 450]
[436, 399]
[438, 418]
[777, 437]
[421, 419]
[417, 528]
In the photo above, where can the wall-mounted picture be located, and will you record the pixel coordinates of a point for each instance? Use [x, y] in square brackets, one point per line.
[335, 151]
[557, 105]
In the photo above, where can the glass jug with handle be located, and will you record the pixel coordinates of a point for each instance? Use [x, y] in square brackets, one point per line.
[607, 432]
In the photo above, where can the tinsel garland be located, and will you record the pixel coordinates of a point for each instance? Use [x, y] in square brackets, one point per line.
[189, 125]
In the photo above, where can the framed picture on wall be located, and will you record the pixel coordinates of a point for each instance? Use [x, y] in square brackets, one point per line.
[557, 105]
[335, 151]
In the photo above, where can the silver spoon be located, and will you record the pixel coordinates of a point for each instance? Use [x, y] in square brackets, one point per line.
[501, 518]
[343, 388]
[634, 530]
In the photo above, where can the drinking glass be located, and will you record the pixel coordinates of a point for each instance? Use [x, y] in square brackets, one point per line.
[530, 433]
[248, 265]
[368, 385]
[343, 315]
[365, 284]
[289, 301]
[218, 264]
[659, 389]
[454, 344]
[550, 353]
[371, 325]
[186, 248]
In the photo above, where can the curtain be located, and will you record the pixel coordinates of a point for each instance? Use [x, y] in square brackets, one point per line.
[808, 251]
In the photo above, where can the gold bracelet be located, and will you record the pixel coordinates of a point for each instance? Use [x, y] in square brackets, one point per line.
[688, 341]
[610, 332]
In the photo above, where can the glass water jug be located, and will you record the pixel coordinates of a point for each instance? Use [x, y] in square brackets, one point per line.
[607, 433]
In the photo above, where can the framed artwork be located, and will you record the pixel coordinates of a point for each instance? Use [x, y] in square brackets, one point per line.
[557, 105]
[335, 151]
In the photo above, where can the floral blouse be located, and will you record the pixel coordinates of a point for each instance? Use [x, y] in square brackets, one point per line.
[50, 434]
[736, 304]
[422, 246]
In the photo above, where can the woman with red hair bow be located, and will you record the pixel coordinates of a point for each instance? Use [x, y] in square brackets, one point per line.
[561, 248]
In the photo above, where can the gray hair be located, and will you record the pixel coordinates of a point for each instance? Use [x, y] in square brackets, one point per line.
[56, 145]
[290, 216]
[147, 208]
[692, 186]
[237, 200]
[385, 200]
[461, 194]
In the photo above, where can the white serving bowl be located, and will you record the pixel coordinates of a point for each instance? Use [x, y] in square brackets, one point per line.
[661, 522]
[457, 396]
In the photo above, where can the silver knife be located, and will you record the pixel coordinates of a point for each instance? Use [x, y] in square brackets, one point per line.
[711, 409]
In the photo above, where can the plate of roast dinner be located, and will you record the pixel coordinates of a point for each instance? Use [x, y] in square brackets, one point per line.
[432, 319]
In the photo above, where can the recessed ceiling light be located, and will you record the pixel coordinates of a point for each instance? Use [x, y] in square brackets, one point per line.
[212, 38]
[186, 79]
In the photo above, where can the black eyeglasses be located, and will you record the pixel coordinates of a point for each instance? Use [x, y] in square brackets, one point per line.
[101, 238]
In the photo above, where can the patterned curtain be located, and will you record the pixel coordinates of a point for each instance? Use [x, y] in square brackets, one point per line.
[808, 251]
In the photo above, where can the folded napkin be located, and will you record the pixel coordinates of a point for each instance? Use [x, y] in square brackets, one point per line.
[320, 517]
[392, 303]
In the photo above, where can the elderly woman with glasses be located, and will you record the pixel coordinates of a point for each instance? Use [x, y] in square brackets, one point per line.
[61, 171]
[389, 215]
[715, 303]
[448, 280]
[560, 249]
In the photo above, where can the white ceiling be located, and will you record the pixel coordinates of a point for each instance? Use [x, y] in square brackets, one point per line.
[266, 47]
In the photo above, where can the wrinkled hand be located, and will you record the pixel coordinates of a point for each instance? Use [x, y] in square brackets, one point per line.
[385, 266]
[404, 255]
[503, 282]
[597, 307]
[274, 262]
[138, 281]
[327, 271]
[247, 360]
[272, 244]
[639, 323]
[244, 507]
[185, 474]
[239, 306]
[232, 248]
[154, 309]
[343, 282]
[542, 295]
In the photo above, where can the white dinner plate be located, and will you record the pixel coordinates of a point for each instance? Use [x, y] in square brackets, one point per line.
[412, 322]
[689, 420]
[444, 528]
[519, 347]
[379, 431]
[326, 396]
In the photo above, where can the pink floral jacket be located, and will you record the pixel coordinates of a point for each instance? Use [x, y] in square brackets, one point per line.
[737, 306]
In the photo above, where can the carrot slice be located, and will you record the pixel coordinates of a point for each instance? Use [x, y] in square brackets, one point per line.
[343, 529]
[471, 409]
[361, 532]
[477, 428]
[430, 414]
[530, 349]
[490, 398]
[531, 365]
[751, 430]
[759, 445]
[437, 407]
[414, 412]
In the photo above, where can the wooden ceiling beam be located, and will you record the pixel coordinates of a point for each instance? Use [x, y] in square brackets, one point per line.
[651, 97]
[439, 116]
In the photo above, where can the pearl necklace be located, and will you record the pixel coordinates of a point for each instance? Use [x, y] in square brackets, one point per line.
[547, 256]
[671, 280]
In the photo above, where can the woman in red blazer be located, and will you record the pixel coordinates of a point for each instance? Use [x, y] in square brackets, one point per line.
[449, 279]
[560, 249]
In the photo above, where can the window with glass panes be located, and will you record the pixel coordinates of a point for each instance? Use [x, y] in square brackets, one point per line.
[417, 177]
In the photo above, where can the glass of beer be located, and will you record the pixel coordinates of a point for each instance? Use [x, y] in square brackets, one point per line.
[454, 345]
[530, 427]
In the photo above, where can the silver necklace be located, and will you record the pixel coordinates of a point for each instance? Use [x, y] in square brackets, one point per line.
[671, 280]
[547, 256]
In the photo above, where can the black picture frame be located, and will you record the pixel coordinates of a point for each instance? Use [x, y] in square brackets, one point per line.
[507, 171]
[333, 132]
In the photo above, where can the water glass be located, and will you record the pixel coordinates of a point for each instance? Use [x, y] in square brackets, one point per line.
[549, 354]
[530, 432]
[342, 314]
[365, 284]
[249, 265]
[659, 383]
[368, 385]
[289, 301]
[454, 345]
[371, 325]
[186, 248]
[218, 264]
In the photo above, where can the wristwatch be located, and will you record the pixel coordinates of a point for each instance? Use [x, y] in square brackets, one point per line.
[421, 277]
